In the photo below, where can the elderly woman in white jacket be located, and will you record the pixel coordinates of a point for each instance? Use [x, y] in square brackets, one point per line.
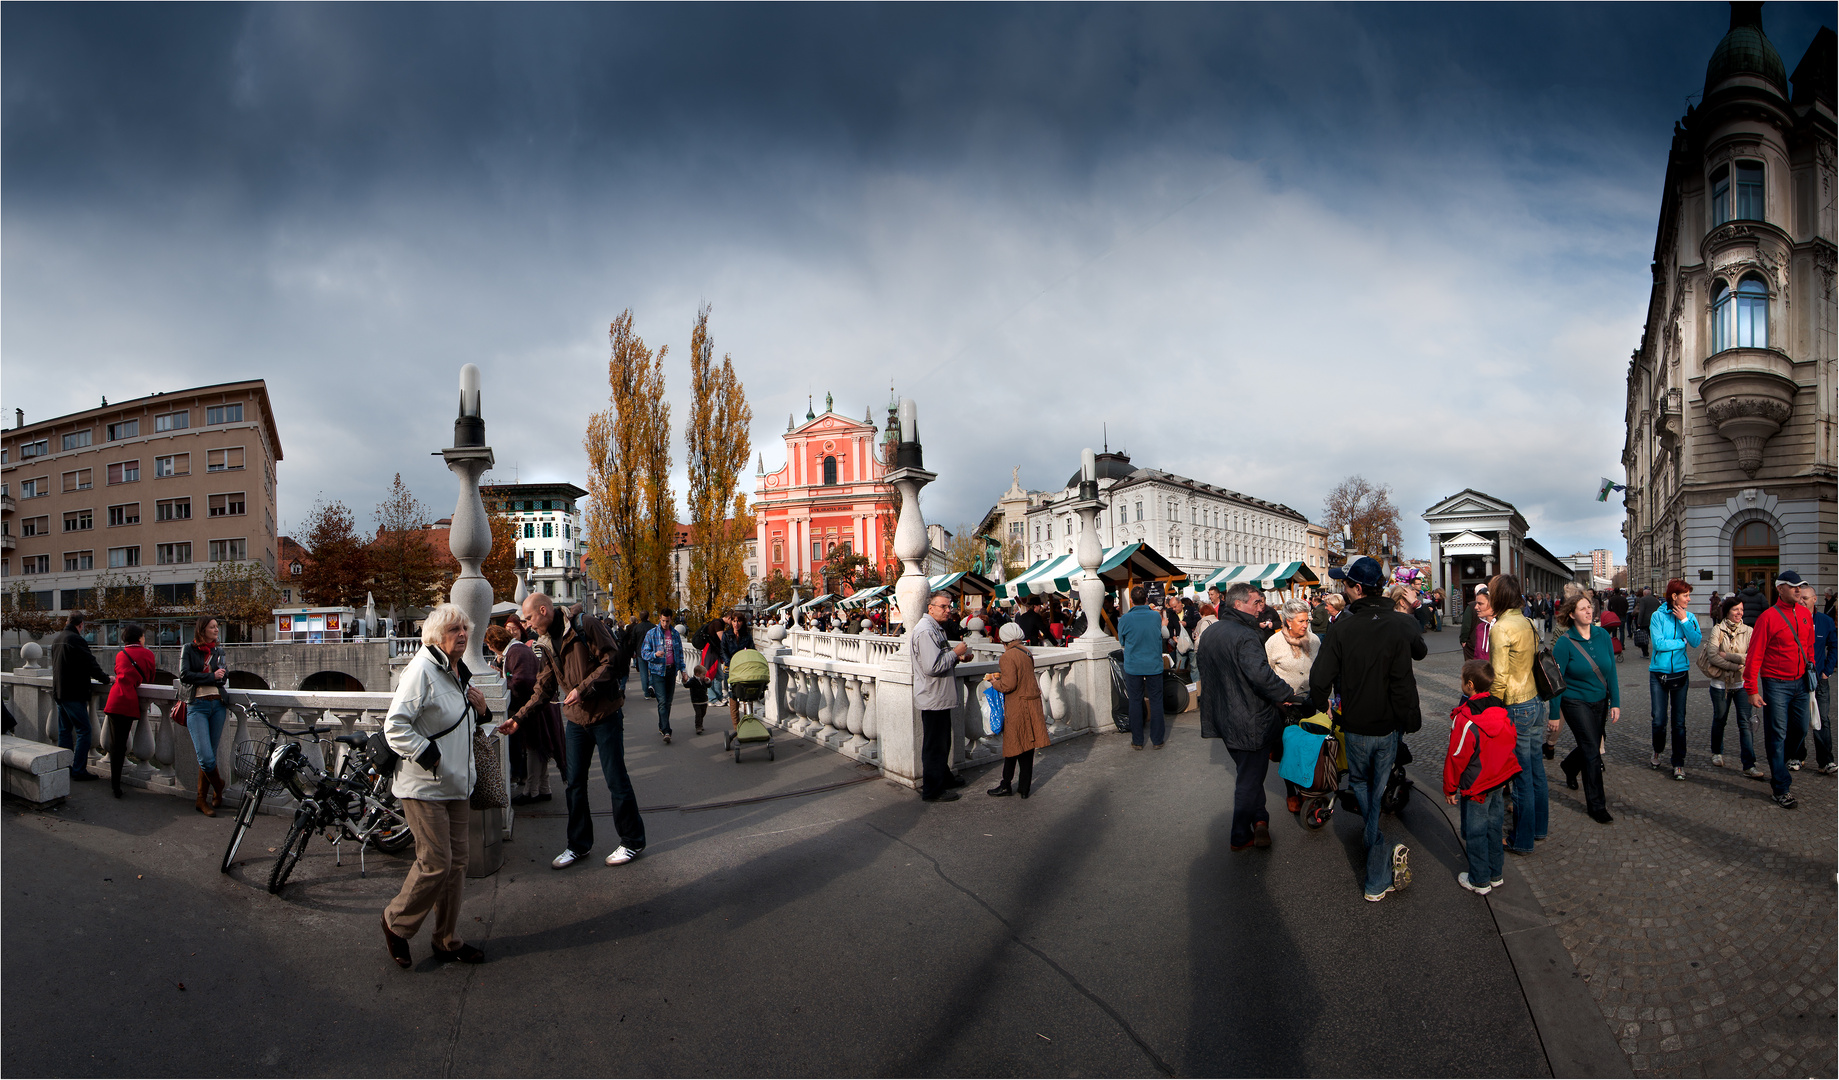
[1292, 650]
[430, 725]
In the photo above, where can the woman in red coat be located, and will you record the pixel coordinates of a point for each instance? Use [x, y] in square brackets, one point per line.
[134, 665]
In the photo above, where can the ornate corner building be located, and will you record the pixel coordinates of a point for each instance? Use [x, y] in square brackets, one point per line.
[1731, 396]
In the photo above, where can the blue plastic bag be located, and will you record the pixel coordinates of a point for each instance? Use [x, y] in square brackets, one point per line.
[993, 709]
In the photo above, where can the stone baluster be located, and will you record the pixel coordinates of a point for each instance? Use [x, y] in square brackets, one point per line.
[871, 725]
[826, 707]
[852, 715]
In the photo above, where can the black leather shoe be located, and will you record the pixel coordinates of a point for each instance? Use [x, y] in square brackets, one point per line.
[1570, 779]
[1601, 817]
[465, 954]
[398, 947]
[1000, 791]
[956, 782]
[1550, 751]
[943, 796]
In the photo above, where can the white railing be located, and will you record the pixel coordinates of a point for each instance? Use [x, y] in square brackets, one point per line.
[853, 694]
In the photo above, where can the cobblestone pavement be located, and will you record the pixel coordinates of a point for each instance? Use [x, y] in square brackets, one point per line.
[1703, 918]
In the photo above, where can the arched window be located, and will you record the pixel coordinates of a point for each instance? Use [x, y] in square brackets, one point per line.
[1740, 319]
[829, 470]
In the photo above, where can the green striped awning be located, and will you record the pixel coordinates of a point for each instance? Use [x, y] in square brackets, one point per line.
[861, 597]
[1129, 562]
[1263, 575]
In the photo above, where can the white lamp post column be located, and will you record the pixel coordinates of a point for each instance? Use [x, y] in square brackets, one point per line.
[1091, 587]
[470, 539]
[910, 544]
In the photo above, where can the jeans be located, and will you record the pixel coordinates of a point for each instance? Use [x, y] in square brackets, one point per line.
[1661, 701]
[1532, 808]
[1784, 711]
[1586, 720]
[1481, 834]
[75, 733]
[1141, 690]
[664, 687]
[1369, 767]
[1721, 702]
[1248, 793]
[204, 719]
[935, 752]
[644, 678]
[718, 688]
[610, 736]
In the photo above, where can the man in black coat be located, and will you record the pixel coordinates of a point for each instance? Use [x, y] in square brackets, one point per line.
[1238, 705]
[1366, 657]
[1032, 622]
[73, 670]
[1643, 609]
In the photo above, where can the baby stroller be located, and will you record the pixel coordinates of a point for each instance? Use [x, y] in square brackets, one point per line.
[1314, 762]
[748, 678]
[1612, 622]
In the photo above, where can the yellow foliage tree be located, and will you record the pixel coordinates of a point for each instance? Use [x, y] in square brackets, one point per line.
[631, 514]
[716, 439]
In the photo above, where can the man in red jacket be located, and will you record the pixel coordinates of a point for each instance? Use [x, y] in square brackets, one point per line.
[1482, 758]
[1775, 674]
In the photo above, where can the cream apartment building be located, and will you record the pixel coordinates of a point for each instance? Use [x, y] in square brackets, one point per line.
[157, 489]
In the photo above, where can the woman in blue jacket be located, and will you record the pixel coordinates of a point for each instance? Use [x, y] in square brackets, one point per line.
[1671, 630]
[1591, 699]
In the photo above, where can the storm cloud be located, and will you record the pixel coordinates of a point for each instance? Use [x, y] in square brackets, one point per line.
[1264, 246]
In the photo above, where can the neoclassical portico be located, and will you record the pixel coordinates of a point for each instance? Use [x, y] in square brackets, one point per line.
[1474, 536]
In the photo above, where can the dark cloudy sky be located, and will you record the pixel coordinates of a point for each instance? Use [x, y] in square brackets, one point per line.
[1268, 246]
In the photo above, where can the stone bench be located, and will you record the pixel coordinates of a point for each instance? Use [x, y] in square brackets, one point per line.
[35, 772]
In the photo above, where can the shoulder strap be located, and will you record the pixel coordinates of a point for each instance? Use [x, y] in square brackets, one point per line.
[1590, 660]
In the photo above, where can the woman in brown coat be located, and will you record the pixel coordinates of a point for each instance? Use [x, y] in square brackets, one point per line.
[1024, 724]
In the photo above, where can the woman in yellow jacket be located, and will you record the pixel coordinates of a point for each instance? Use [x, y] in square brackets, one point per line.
[1512, 645]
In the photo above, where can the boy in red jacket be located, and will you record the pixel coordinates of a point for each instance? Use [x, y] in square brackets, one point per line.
[1479, 764]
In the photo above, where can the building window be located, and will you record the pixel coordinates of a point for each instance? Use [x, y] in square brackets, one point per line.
[172, 510]
[778, 552]
[35, 526]
[34, 449]
[79, 480]
[1740, 319]
[1139, 511]
[529, 531]
[172, 465]
[224, 414]
[229, 550]
[1747, 204]
[123, 556]
[35, 564]
[817, 551]
[547, 556]
[548, 529]
[124, 514]
[829, 470]
[124, 472]
[32, 489]
[177, 421]
[127, 429]
[76, 440]
[79, 521]
[228, 505]
[79, 560]
[172, 554]
[185, 593]
[230, 457]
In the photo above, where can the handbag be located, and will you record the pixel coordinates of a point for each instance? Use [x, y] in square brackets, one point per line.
[992, 700]
[178, 713]
[489, 792]
[1548, 673]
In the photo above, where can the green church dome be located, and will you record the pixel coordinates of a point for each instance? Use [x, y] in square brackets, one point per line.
[1745, 50]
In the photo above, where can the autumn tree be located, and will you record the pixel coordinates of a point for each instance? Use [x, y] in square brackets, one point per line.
[500, 567]
[1365, 512]
[962, 550]
[336, 574]
[631, 515]
[716, 441]
[778, 587]
[121, 597]
[405, 569]
[20, 612]
[240, 592]
[846, 566]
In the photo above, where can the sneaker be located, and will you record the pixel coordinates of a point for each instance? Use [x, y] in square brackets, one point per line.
[1755, 773]
[1497, 883]
[1374, 898]
[667, 738]
[1786, 802]
[1401, 873]
[1794, 766]
[566, 859]
[1654, 762]
[621, 856]
[1679, 774]
[1717, 761]
[1829, 769]
[1462, 879]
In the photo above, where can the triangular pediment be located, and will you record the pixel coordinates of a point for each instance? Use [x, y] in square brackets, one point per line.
[832, 422]
[1470, 501]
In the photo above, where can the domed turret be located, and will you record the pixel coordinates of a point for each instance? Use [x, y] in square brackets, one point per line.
[1110, 466]
[1745, 50]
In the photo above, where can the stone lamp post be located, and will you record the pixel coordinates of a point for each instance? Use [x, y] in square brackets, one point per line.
[523, 580]
[1091, 587]
[910, 544]
[470, 539]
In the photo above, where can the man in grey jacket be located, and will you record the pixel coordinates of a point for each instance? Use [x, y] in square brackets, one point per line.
[936, 696]
[1239, 699]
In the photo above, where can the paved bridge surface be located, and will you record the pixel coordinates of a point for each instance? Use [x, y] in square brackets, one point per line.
[1100, 927]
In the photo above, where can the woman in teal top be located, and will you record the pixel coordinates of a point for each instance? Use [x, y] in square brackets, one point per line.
[1670, 629]
[1590, 697]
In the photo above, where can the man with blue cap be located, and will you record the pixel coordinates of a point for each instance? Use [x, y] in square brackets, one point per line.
[1366, 658]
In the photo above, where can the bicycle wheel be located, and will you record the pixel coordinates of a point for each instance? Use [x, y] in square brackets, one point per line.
[245, 817]
[295, 846]
[394, 834]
